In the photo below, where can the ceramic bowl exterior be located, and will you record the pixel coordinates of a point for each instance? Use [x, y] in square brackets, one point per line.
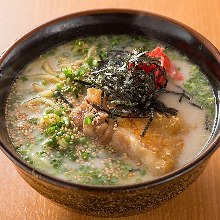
[109, 201]
[114, 203]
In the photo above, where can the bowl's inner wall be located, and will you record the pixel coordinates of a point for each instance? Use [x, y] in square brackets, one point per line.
[35, 43]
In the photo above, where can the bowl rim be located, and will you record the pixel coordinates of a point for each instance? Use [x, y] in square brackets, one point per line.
[211, 148]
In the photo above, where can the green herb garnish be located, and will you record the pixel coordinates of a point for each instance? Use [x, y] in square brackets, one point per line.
[203, 96]
[79, 43]
[33, 121]
[24, 78]
[88, 120]
[85, 155]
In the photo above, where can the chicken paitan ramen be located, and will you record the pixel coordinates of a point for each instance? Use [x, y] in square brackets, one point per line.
[110, 110]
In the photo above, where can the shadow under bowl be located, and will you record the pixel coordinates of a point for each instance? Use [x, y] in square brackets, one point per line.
[110, 201]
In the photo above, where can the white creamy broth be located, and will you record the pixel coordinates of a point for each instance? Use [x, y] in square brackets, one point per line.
[45, 101]
[198, 136]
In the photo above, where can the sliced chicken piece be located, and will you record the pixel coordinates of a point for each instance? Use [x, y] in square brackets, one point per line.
[126, 142]
[158, 149]
[94, 96]
[78, 114]
[102, 132]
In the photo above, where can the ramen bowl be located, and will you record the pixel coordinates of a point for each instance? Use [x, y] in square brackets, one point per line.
[122, 200]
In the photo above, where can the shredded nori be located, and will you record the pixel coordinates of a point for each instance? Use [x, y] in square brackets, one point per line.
[129, 91]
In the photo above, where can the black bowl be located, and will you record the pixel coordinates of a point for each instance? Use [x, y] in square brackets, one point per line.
[110, 200]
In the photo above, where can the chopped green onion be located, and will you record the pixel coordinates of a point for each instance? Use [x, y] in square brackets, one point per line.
[85, 155]
[51, 130]
[59, 86]
[58, 112]
[79, 43]
[68, 72]
[88, 120]
[33, 121]
[44, 82]
[24, 78]
[92, 62]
